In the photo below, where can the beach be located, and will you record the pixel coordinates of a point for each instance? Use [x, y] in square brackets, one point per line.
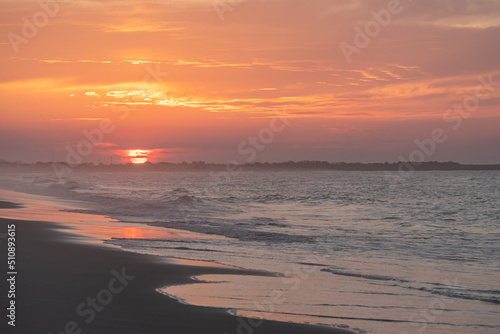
[65, 284]
[156, 253]
[247, 167]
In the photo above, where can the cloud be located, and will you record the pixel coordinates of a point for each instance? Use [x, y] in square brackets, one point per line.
[224, 76]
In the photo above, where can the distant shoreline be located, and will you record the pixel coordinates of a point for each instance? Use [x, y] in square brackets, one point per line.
[233, 168]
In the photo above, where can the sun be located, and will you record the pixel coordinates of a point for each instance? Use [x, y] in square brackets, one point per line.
[138, 156]
[138, 160]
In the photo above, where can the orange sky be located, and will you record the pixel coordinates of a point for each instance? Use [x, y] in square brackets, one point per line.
[172, 79]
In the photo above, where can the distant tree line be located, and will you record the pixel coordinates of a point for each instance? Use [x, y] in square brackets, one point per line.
[6, 166]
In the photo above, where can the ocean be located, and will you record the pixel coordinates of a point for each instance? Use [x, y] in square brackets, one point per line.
[375, 252]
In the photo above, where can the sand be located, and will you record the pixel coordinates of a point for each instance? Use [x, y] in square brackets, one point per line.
[67, 285]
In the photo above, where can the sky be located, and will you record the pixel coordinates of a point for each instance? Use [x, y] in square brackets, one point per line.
[245, 81]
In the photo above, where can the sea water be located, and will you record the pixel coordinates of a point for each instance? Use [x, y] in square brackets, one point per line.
[377, 252]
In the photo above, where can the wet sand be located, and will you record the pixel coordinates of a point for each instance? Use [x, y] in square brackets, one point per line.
[67, 285]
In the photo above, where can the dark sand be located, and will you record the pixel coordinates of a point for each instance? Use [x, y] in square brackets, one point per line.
[8, 205]
[58, 271]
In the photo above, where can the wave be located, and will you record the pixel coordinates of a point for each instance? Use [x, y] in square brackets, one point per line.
[186, 199]
[266, 198]
[486, 296]
[365, 276]
[234, 231]
[132, 245]
[68, 185]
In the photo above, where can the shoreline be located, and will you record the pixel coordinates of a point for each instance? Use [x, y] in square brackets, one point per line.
[64, 286]
[234, 169]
